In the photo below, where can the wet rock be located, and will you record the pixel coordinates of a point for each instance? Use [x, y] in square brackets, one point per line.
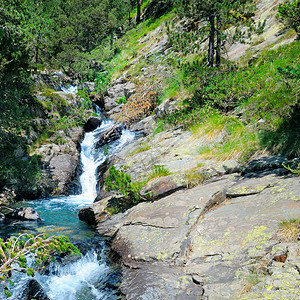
[109, 136]
[2, 218]
[34, 290]
[24, 213]
[101, 169]
[91, 124]
[63, 169]
[87, 215]
[164, 186]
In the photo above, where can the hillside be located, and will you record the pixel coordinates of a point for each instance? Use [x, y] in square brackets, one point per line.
[204, 203]
[212, 159]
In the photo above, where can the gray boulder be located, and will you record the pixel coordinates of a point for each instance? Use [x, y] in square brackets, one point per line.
[24, 213]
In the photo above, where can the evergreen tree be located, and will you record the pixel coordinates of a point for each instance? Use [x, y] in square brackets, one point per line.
[216, 16]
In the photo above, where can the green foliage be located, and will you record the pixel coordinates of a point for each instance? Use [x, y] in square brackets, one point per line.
[121, 100]
[121, 182]
[293, 169]
[106, 150]
[15, 251]
[159, 171]
[244, 91]
[289, 13]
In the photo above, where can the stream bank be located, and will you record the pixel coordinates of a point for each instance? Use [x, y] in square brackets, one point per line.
[222, 239]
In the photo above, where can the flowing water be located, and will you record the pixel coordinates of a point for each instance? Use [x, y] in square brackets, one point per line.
[88, 277]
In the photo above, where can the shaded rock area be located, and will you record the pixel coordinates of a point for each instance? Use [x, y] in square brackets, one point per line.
[24, 213]
[34, 290]
[87, 215]
[60, 161]
[91, 124]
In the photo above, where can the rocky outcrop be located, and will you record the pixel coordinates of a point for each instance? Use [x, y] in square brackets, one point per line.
[34, 290]
[60, 161]
[120, 88]
[217, 235]
[87, 215]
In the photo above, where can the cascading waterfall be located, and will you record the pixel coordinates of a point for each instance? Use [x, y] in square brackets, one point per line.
[84, 278]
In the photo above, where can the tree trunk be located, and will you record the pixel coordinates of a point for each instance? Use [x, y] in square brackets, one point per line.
[138, 14]
[218, 47]
[129, 18]
[111, 40]
[211, 42]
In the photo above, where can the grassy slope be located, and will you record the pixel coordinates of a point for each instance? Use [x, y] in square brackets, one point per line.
[254, 105]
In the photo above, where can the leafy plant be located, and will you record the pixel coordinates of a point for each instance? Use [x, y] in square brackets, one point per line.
[106, 150]
[121, 100]
[295, 170]
[121, 182]
[15, 251]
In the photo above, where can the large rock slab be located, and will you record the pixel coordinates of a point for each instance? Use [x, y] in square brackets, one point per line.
[214, 236]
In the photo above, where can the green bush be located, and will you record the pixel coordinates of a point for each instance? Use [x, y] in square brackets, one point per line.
[289, 13]
[121, 182]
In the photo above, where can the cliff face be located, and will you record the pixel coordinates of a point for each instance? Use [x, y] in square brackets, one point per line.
[50, 141]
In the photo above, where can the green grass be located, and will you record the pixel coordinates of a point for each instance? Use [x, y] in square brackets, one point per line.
[289, 230]
[142, 148]
[237, 141]
[235, 98]
[194, 178]
[158, 171]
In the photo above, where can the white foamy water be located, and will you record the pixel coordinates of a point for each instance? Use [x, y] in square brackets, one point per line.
[83, 279]
[71, 89]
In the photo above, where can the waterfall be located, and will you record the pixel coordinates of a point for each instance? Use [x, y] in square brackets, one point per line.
[85, 278]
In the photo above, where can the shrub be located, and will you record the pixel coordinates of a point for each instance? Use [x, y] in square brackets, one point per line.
[121, 182]
[289, 13]
[139, 105]
[15, 250]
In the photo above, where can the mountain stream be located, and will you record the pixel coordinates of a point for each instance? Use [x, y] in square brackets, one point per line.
[90, 277]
